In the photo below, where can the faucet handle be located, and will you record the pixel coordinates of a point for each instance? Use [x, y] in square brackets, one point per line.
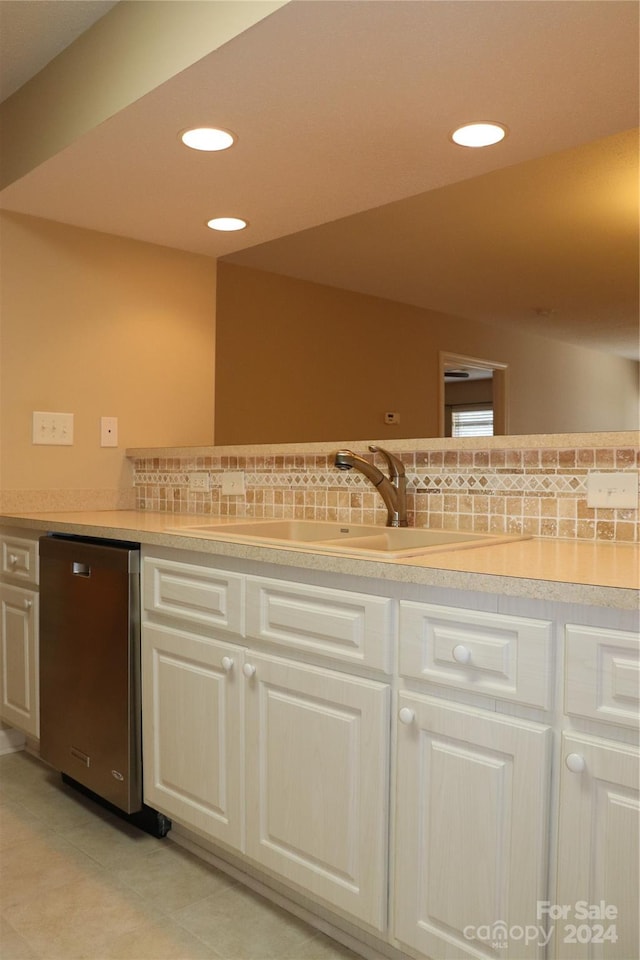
[396, 467]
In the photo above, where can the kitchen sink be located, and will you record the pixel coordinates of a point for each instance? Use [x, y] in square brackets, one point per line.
[358, 539]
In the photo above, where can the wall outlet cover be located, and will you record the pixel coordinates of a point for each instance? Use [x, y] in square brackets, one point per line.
[199, 481]
[233, 483]
[108, 431]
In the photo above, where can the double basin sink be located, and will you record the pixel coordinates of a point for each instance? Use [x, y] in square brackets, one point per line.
[371, 540]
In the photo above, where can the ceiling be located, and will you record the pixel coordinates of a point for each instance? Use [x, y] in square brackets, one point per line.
[33, 32]
[344, 169]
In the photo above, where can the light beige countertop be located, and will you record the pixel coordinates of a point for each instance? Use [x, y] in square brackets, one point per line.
[574, 571]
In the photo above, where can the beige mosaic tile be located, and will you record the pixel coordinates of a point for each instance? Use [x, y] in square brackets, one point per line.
[536, 490]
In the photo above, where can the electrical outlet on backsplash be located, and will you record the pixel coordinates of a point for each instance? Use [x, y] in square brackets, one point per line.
[534, 489]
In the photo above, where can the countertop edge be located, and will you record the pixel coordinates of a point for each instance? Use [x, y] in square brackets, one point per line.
[399, 571]
[529, 441]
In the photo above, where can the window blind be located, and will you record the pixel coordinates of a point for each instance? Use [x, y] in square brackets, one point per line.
[472, 422]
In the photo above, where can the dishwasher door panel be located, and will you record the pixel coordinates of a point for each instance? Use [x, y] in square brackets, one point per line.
[89, 667]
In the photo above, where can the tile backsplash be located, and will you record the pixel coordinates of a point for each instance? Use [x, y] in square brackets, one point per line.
[534, 489]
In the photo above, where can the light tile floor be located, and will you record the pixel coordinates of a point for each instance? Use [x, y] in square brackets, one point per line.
[78, 882]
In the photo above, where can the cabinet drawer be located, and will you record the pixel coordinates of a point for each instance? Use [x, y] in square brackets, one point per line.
[602, 679]
[19, 558]
[344, 626]
[490, 653]
[193, 593]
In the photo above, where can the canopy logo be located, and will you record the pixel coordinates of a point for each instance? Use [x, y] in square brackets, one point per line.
[499, 935]
[584, 925]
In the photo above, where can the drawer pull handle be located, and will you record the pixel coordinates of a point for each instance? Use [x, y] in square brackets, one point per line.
[461, 654]
[248, 670]
[227, 664]
[13, 560]
[575, 762]
[406, 716]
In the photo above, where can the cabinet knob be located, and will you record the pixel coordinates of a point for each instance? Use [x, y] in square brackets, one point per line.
[12, 559]
[406, 715]
[227, 664]
[28, 604]
[575, 762]
[461, 654]
[248, 670]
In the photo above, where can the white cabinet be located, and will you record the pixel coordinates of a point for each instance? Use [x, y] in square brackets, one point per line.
[488, 653]
[472, 786]
[192, 739]
[339, 625]
[19, 627]
[602, 676]
[192, 694]
[471, 825]
[283, 761]
[19, 673]
[599, 817]
[268, 730]
[197, 595]
[599, 848]
[317, 774]
[19, 558]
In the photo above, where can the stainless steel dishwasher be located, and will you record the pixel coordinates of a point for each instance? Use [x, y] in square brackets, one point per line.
[90, 701]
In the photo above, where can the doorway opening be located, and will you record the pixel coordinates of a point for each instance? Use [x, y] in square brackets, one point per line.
[473, 396]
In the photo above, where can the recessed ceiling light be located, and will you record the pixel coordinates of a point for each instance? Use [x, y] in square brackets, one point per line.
[479, 134]
[227, 223]
[207, 138]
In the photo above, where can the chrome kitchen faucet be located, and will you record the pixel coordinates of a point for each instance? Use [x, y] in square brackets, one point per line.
[392, 489]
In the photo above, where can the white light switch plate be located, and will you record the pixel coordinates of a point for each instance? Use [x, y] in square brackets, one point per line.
[616, 490]
[232, 483]
[54, 429]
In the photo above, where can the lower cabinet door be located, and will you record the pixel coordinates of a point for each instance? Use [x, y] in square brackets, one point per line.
[316, 775]
[192, 741]
[598, 851]
[19, 658]
[471, 823]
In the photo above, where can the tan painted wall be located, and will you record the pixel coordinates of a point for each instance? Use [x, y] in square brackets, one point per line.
[300, 361]
[468, 391]
[97, 325]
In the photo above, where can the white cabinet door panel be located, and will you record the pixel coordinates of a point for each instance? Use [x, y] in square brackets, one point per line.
[599, 846]
[316, 782]
[19, 658]
[192, 733]
[471, 822]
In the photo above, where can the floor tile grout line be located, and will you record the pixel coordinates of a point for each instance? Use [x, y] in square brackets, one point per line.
[32, 778]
